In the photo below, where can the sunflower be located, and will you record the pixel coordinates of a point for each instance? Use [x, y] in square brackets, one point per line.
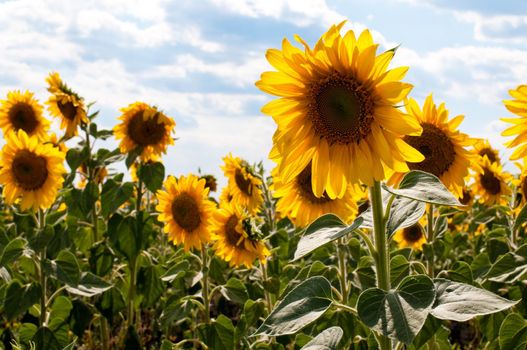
[99, 174]
[225, 196]
[411, 237]
[466, 198]
[235, 239]
[338, 111]
[65, 104]
[186, 211]
[244, 186]
[31, 171]
[492, 184]
[442, 145]
[517, 106]
[483, 148]
[210, 182]
[298, 202]
[21, 111]
[144, 126]
[54, 140]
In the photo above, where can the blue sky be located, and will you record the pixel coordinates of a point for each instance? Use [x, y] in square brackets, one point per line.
[198, 60]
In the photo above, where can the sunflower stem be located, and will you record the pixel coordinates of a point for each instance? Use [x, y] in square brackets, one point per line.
[105, 334]
[267, 296]
[205, 282]
[431, 238]
[134, 260]
[343, 274]
[42, 273]
[382, 260]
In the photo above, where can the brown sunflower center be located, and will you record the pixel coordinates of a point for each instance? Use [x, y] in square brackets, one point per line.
[146, 132]
[467, 197]
[185, 212]
[68, 110]
[490, 182]
[341, 109]
[437, 148]
[243, 183]
[413, 233]
[303, 181]
[231, 234]
[23, 116]
[491, 155]
[523, 186]
[29, 170]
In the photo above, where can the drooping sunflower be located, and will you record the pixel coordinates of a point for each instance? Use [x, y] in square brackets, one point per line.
[517, 106]
[186, 211]
[66, 105]
[492, 184]
[337, 110]
[442, 145]
[30, 171]
[299, 203]
[243, 185]
[21, 111]
[144, 126]
[235, 240]
[483, 148]
[411, 237]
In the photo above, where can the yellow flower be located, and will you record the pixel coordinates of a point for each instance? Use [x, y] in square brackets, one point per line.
[517, 106]
[31, 171]
[21, 111]
[442, 145]
[492, 184]
[243, 185]
[144, 126]
[411, 237]
[66, 105]
[338, 110]
[466, 198]
[99, 174]
[225, 196]
[53, 139]
[235, 241]
[484, 149]
[186, 211]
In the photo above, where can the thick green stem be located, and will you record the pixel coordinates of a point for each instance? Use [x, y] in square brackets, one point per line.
[42, 274]
[133, 262]
[267, 296]
[343, 272]
[105, 335]
[205, 282]
[431, 238]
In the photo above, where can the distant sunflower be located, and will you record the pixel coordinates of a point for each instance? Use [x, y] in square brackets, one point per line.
[57, 143]
[517, 106]
[21, 111]
[225, 196]
[492, 184]
[411, 237]
[186, 211]
[144, 126]
[466, 198]
[483, 148]
[235, 240]
[338, 110]
[442, 145]
[99, 174]
[31, 171]
[210, 182]
[299, 203]
[65, 104]
[244, 186]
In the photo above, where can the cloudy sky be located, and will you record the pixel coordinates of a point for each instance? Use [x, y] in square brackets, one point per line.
[198, 60]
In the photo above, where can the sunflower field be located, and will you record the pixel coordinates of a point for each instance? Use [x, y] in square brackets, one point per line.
[381, 226]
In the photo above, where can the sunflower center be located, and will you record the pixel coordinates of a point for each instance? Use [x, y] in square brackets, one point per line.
[467, 197]
[23, 116]
[491, 155]
[413, 233]
[524, 187]
[29, 170]
[303, 181]
[231, 234]
[146, 132]
[243, 183]
[68, 110]
[490, 182]
[185, 212]
[341, 109]
[437, 148]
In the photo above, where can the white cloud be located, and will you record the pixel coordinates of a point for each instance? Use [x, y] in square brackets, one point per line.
[509, 29]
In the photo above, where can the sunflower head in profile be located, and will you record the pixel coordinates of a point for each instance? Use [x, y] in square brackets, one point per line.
[442, 145]
[517, 106]
[66, 105]
[411, 237]
[235, 238]
[338, 111]
[484, 149]
[30, 171]
[57, 143]
[243, 185]
[492, 184]
[21, 111]
[298, 202]
[225, 196]
[466, 198]
[210, 182]
[185, 211]
[146, 127]
[99, 173]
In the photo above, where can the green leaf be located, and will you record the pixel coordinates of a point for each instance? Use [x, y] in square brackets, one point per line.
[235, 291]
[174, 310]
[219, 334]
[90, 194]
[404, 212]
[510, 267]
[300, 307]
[89, 285]
[329, 339]
[152, 174]
[325, 229]
[150, 285]
[431, 326]
[75, 157]
[27, 331]
[13, 250]
[19, 298]
[461, 302]
[132, 156]
[44, 339]
[520, 219]
[131, 340]
[121, 231]
[399, 269]
[513, 333]
[424, 187]
[177, 271]
[114, 195]
[61, 308]
[399, 313]
[66, 268]
[461, 272]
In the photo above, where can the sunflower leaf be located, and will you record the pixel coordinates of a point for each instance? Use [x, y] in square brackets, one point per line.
[152, 174]
[328, 339]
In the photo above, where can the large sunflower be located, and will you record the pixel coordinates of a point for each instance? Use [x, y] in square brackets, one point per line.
[483, 148]
[492, 184]
[21, 111]
[299, 203]
[517, 106]
[243, 185]
[338, 111]
[411, 237]
[186, 211]
[65, 104]
[442, 145]
[144, 126]
[31, 171]
[235, 240]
